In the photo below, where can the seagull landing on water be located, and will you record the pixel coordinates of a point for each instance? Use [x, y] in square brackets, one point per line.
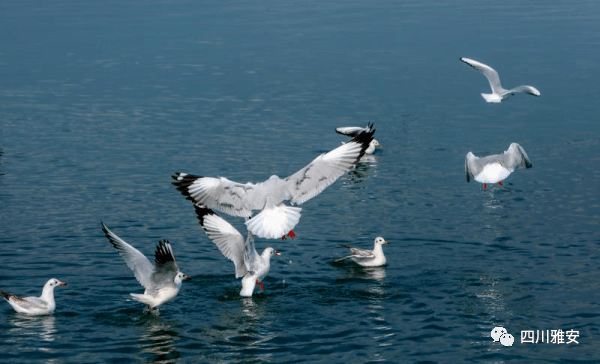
[353, 131]
[162, 279]
[367, 258]
[498, 92]
[275, 219]
[495, 168]
[41, 305]
[248, 263]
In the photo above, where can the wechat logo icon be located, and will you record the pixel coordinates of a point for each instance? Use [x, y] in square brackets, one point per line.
[500, 334]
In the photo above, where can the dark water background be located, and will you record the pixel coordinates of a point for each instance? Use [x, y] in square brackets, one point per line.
[100, 102]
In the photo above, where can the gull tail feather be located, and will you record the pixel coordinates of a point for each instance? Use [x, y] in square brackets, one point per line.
[273, 223]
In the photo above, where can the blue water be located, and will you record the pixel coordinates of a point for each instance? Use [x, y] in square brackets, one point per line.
[100, 102]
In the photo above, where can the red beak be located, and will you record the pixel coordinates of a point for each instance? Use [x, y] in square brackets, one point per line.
[187, 278]
[63, 284]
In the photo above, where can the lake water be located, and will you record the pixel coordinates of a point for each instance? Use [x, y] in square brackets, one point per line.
[100, 102]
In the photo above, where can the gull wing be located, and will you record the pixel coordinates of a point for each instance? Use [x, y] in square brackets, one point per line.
[353, 130]
[166, 267]
[136, 261]
[251, 257]
[356, 253]
[229, 197]
[490, 73]
[229, 241]
[526, 90]
[472, 168]
[326, 169]
[516, 156]
[27, 303]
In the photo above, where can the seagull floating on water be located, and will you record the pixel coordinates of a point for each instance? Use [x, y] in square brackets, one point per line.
[367, 258]
[353, 131]
[498, 92]
[162, 279]
[495, 168]
[275, 218]
[248, 263]
[41, 305]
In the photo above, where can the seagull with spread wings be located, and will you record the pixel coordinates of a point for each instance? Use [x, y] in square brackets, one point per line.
[250, 265]
[162, 280]
[275, 219]
[497, 167]
[499, 93]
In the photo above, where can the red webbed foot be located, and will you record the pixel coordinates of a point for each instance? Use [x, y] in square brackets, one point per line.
[500, 183]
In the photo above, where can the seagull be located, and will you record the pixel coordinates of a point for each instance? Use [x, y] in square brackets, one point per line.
[353, 131]
[248, 263]
[367, 258]
[41, 305]
[495, 168]
[162, 279]
[275, 218]
[499, 93]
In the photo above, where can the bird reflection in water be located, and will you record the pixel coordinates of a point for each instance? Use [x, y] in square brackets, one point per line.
[25, 327]
[159, 339]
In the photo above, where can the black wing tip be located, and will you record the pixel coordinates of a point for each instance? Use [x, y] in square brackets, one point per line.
[163, 253]
[6, 295]
[182, 181]
[111, 240]
[202, 211]
[364, 138]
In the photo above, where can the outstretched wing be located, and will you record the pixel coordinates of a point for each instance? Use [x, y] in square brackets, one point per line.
[166, 267]
[488, 72]
[229, 197]
[136, 261]
[353, 130]
[516, 157]
[471, 166]
[229, 241]
[526, 89]
[326, 169]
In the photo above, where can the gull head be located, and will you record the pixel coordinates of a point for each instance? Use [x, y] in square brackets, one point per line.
[55, 282]
[180, 277]
[270, 252]
[380, 241]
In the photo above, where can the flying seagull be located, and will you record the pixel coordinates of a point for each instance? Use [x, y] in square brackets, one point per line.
[162, 280]
[499, 93]
[275, 219]
[495, 168]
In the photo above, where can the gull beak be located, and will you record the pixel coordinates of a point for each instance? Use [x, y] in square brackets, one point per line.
[386, 242]
[379, 146]
[63, 284]
[187, 278]
[277, 253]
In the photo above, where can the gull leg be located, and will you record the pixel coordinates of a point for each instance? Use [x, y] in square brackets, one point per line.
[484, 186]
[292, 234]
[500, 183]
